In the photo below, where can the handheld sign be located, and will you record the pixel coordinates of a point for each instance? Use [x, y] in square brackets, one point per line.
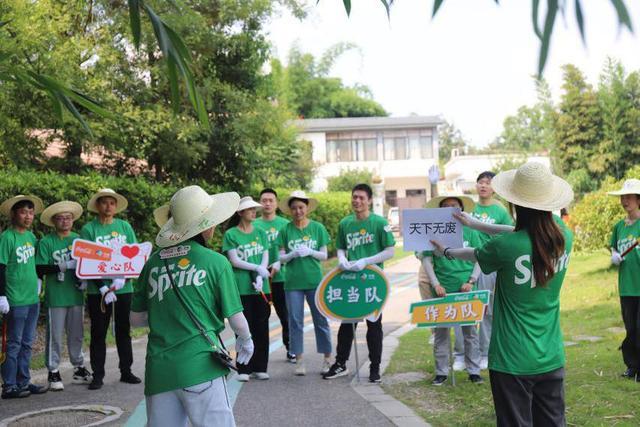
[97, 261]
[350, 296]
[463, 309]
[420, 226]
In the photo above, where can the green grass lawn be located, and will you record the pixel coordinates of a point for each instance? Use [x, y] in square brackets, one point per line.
[595, 393]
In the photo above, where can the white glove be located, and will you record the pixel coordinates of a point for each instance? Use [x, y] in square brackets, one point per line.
[434, 174]
[244, 350]
[257, 285]
[303, 251]
[343, 264]
[616, 258]
[110, 297]
[67, 265]
[262, 272]
[39, 286]
[358, 265]
[4, 305]
[82, 285]
[104, 290]
[276, 266]
[117, 284]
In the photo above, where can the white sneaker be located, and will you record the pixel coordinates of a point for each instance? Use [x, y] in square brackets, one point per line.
[55, 381]
[326, 365]
[243, 378]
[260, 375]
[458, 364]
[484, 363]
[300, 369]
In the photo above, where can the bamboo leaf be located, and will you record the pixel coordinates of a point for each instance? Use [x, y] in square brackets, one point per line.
[74, 111]
[535, 8]
[134, 21]
[552, 10]
[580, 19]
[347, 6]
[173, 84]
[436, 7]
[623, 14]
[387, 6]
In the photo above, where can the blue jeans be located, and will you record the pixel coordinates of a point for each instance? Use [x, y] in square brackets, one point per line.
[295, 306]
[21, 332]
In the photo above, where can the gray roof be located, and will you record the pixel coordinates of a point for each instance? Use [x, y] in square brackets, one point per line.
[367, 123]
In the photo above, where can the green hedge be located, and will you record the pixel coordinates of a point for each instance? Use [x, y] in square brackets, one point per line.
[593, 217]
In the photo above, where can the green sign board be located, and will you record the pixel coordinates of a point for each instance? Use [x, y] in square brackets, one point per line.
[464, 308]
[353, 295]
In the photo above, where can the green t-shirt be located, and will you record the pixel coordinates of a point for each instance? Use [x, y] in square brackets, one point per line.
[622, 238]
[303, 273]
[118, 233]
[453, 273]
[362, 239]
[272, 228]
[177, 355]
[492, 214]
[526, 337]
[249, 247]
[17, 252]
[51, 250]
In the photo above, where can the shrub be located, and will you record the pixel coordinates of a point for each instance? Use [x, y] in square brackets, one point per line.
[349, 178]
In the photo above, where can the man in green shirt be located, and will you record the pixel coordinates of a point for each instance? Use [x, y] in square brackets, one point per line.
[489, 211]
[364, 238]
[19, 289]
[110, 231]
[272, 224]
[63, 296]
[184, 381]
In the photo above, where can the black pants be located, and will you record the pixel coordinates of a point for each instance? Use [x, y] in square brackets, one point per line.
[100, 327]
[374, 341]
[257, 312]
[528, 400]
[279, 300]
[631, 345]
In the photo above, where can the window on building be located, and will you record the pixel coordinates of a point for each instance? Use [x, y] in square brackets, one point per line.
[351, 150]
[391, 197]
[396, 148]
[416, 192]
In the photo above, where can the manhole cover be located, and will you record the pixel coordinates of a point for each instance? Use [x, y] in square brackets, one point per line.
[67, 416]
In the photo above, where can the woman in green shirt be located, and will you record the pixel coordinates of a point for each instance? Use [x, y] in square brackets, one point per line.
[526, 355]
[303, 244]
[247, 248]
[626, 234]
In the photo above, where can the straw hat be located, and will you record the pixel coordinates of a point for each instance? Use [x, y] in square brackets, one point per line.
[161, 215]
[467, 202]
[5, 207]
[61, 207]
[298, 194]
[107, 192]
[533, 186]
[194, 211]
[247, 202]
[630, 186]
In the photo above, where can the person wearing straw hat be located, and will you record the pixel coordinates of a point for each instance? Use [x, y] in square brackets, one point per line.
[247, 248]
[449, 276]
[272, 223]
[184, 377]
[364, 238]
[161, 215]
[111, 231]
[63, 295]
[625, 253]
[489, 211]
[303, 244]
[19, 294]
[526, 355]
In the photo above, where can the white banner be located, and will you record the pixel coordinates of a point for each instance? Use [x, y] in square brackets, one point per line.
[420, 226]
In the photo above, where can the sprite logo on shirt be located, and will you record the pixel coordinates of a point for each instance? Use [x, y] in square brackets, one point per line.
[526, 270]
[626, 243]
[484, 217]
[305, 241]
[114, 238]
[362, 237]
[62, 255]
[186, 274]
[248, 250]
[272, 234]
[24, 252]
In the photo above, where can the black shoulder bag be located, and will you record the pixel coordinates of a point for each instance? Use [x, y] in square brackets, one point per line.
[220, 355]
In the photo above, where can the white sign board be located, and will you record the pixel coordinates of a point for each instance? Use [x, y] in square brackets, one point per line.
[97, 261]
[420, 226]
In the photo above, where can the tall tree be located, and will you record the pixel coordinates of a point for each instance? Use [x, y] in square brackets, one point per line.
[449, 138]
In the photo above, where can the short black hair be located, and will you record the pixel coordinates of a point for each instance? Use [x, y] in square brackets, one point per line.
[363, 187]
[268, 190]
[485, 174]
[22, 204]
[455, 198]
[294, 199]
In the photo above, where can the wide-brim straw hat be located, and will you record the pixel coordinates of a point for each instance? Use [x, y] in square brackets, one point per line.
[121, 201]
[630, 186]
[298, 194]
[194, 211]
[533, 186]
[65, 206]
[5, 207]
[247, 202]
[161, 215]
[467, 202]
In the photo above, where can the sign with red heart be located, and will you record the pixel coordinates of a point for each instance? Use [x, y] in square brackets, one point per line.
[130, 251]
[121, 260]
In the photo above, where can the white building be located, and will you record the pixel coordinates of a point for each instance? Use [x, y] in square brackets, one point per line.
[400, 150]
[461, 171]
